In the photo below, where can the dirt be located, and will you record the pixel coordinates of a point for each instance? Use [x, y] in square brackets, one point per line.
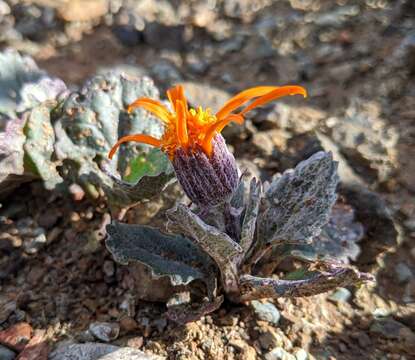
[339, 51]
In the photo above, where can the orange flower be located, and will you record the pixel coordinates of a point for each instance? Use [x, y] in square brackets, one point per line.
[191, 129]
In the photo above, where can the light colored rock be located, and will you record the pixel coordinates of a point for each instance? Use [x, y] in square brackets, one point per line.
[32, 245]
[263, 142]
[364, 135]
[301, 354]
[340, 295]
[279, 354]
[82, 10]
[87, 351]
[129, 354]
[4, 8]
[266, 311]
[105, 331]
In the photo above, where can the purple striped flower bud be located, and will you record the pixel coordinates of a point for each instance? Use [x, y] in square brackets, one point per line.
[207, 180]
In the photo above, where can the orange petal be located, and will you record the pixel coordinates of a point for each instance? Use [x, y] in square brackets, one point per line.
[181, 123]
[154, 106]
[243, 97]
[217, 128]
[275, 94]
[177, 93]
[145, 139]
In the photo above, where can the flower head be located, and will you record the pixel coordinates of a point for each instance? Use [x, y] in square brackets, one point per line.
[191, 129]
[204, 166]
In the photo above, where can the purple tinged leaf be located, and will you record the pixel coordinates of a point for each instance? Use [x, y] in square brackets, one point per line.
[250, 216]
[12, 155]
[39, 144]
[321, 278]
[186, 313]
[299, 201]
[24, 85]
[215, 243]
[91, 123]
[166, 255]
[338, 240]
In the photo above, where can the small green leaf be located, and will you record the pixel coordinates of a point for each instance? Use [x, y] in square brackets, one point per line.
[299, 274]
[151, 164]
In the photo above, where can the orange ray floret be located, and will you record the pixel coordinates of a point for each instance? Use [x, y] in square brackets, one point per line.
[217, 127]
[181, 126]
[242, 98]
[153, 106]
[190, 129]
[145, 139]
[175, 94]
[275, 94]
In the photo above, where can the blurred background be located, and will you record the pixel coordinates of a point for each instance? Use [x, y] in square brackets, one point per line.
[357, 60]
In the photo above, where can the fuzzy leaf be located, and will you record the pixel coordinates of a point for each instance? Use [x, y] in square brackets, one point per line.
[12, 155]
[251, 214]
[150, 180]
[215, 243]
[185, 313]
[40, 139]
[91, 123]
[299, 201]
[23, 85]
[337, 240]
[321, 278]
[173, 256]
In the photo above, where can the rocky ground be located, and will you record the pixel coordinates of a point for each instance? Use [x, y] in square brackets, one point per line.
[59, 285]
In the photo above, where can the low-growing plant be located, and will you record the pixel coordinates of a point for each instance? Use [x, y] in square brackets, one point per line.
[234, 223]
[236, 231]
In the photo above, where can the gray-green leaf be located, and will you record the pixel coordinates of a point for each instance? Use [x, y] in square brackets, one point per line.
[173, 256]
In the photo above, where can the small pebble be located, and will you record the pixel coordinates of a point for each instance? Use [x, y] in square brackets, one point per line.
[266, 311]
[128, 354]
[108, 268]
[76, 192]
[269, 339]
[128, 324]
[136, 342]
[17, 336]
[301, 354]
[403, 273]
[160, 324]
[364, 340]
[6, 354]
[388, 328]
[279, 354]
[88, 350]
[32, 245]
[410, 224]
[340, 295]
[7, 307]
[105, 331]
